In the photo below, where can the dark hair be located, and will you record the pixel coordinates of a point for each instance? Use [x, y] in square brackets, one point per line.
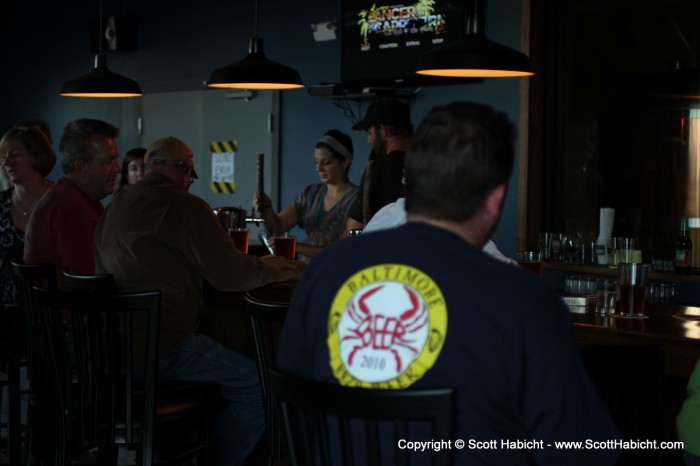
[459, 154]
[76, 141]
[339, 136]
[131, 155]
[399, 130]
[41, 154]
[344, 140]
[38, 123]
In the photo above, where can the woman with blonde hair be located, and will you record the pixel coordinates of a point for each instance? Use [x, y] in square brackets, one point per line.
[27, 158]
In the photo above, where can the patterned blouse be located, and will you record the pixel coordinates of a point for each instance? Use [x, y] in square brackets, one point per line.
[322, 227]
[11, 248]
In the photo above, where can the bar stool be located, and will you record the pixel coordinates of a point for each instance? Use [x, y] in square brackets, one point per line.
[173, 398]
[103, 283]
[326, 422]
[12, 358]
[266, 319]
[38, 438]
[106, 391]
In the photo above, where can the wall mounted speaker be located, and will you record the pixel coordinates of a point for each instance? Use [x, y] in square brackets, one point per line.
[118, 33]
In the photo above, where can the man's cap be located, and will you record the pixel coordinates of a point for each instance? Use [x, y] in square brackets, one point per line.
[170, 151]
[387, 112]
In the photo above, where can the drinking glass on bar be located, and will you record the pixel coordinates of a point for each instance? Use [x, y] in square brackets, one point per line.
[531, 260]
[240, 237]
[285, 246]
[606, 296]
[633, 288]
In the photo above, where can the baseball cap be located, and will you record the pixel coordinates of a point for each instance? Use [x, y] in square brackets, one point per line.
[388, 112]
[170, 151]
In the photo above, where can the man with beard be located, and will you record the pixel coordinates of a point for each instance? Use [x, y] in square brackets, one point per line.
[395, 314]
[389, 130]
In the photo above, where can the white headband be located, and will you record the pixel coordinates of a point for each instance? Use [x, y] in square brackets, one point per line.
[337, 146]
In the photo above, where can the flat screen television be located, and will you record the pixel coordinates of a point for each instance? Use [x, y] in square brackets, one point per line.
[383, 40]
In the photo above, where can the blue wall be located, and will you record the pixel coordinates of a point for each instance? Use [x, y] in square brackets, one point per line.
[45, 43]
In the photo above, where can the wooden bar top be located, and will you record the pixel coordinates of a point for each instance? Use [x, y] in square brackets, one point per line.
[274, 293]
[666, 322]
[674, 326]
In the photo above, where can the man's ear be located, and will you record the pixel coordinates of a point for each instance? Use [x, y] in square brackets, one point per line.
[494, 200]
[79, 165]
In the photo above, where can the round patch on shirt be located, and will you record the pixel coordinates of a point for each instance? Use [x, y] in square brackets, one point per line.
[386, 327]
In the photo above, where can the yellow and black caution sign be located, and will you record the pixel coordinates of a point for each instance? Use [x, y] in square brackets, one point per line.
[223, 166]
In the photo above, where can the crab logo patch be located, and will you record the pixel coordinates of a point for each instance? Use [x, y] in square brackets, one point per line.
[386, 328]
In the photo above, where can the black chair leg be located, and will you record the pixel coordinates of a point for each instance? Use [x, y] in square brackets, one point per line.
[11, 367]
[14, 427]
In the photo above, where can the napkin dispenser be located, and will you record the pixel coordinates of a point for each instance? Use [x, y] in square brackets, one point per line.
[576, 304]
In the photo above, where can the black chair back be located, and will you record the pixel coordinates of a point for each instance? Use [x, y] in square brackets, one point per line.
[96, 364]
[89, 283]
[38, 441]
[328, 424]
[27, 276]
[266, 320]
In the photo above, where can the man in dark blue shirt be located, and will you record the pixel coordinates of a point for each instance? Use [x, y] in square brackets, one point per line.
[421, 306]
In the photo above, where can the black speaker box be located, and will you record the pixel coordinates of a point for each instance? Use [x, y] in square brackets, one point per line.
[118, 33]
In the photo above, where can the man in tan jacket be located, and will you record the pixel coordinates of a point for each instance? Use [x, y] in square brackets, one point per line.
[156, 236]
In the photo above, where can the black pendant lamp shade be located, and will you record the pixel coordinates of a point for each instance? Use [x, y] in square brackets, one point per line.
[256, 72]
[474, 56]
[679, 83]
[101, 82]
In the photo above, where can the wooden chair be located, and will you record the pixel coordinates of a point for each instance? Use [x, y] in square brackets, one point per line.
[38, 448]
[266, 320]
[104, 370]
[328, 424]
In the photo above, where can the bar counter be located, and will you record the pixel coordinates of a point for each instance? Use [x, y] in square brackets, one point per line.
[676, 327]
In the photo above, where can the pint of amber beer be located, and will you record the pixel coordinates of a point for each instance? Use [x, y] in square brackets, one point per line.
[240, 238]
[633, 288]
[531, 260]
[285, 246]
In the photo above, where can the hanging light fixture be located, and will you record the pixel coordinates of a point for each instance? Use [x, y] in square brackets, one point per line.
[681, 82]
[255, 71]
[101, 82]
[474, 56]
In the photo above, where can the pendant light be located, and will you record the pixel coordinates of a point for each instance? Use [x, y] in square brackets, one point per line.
[474, 56]
[255, 71]
[101, 82]
[682, 82]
